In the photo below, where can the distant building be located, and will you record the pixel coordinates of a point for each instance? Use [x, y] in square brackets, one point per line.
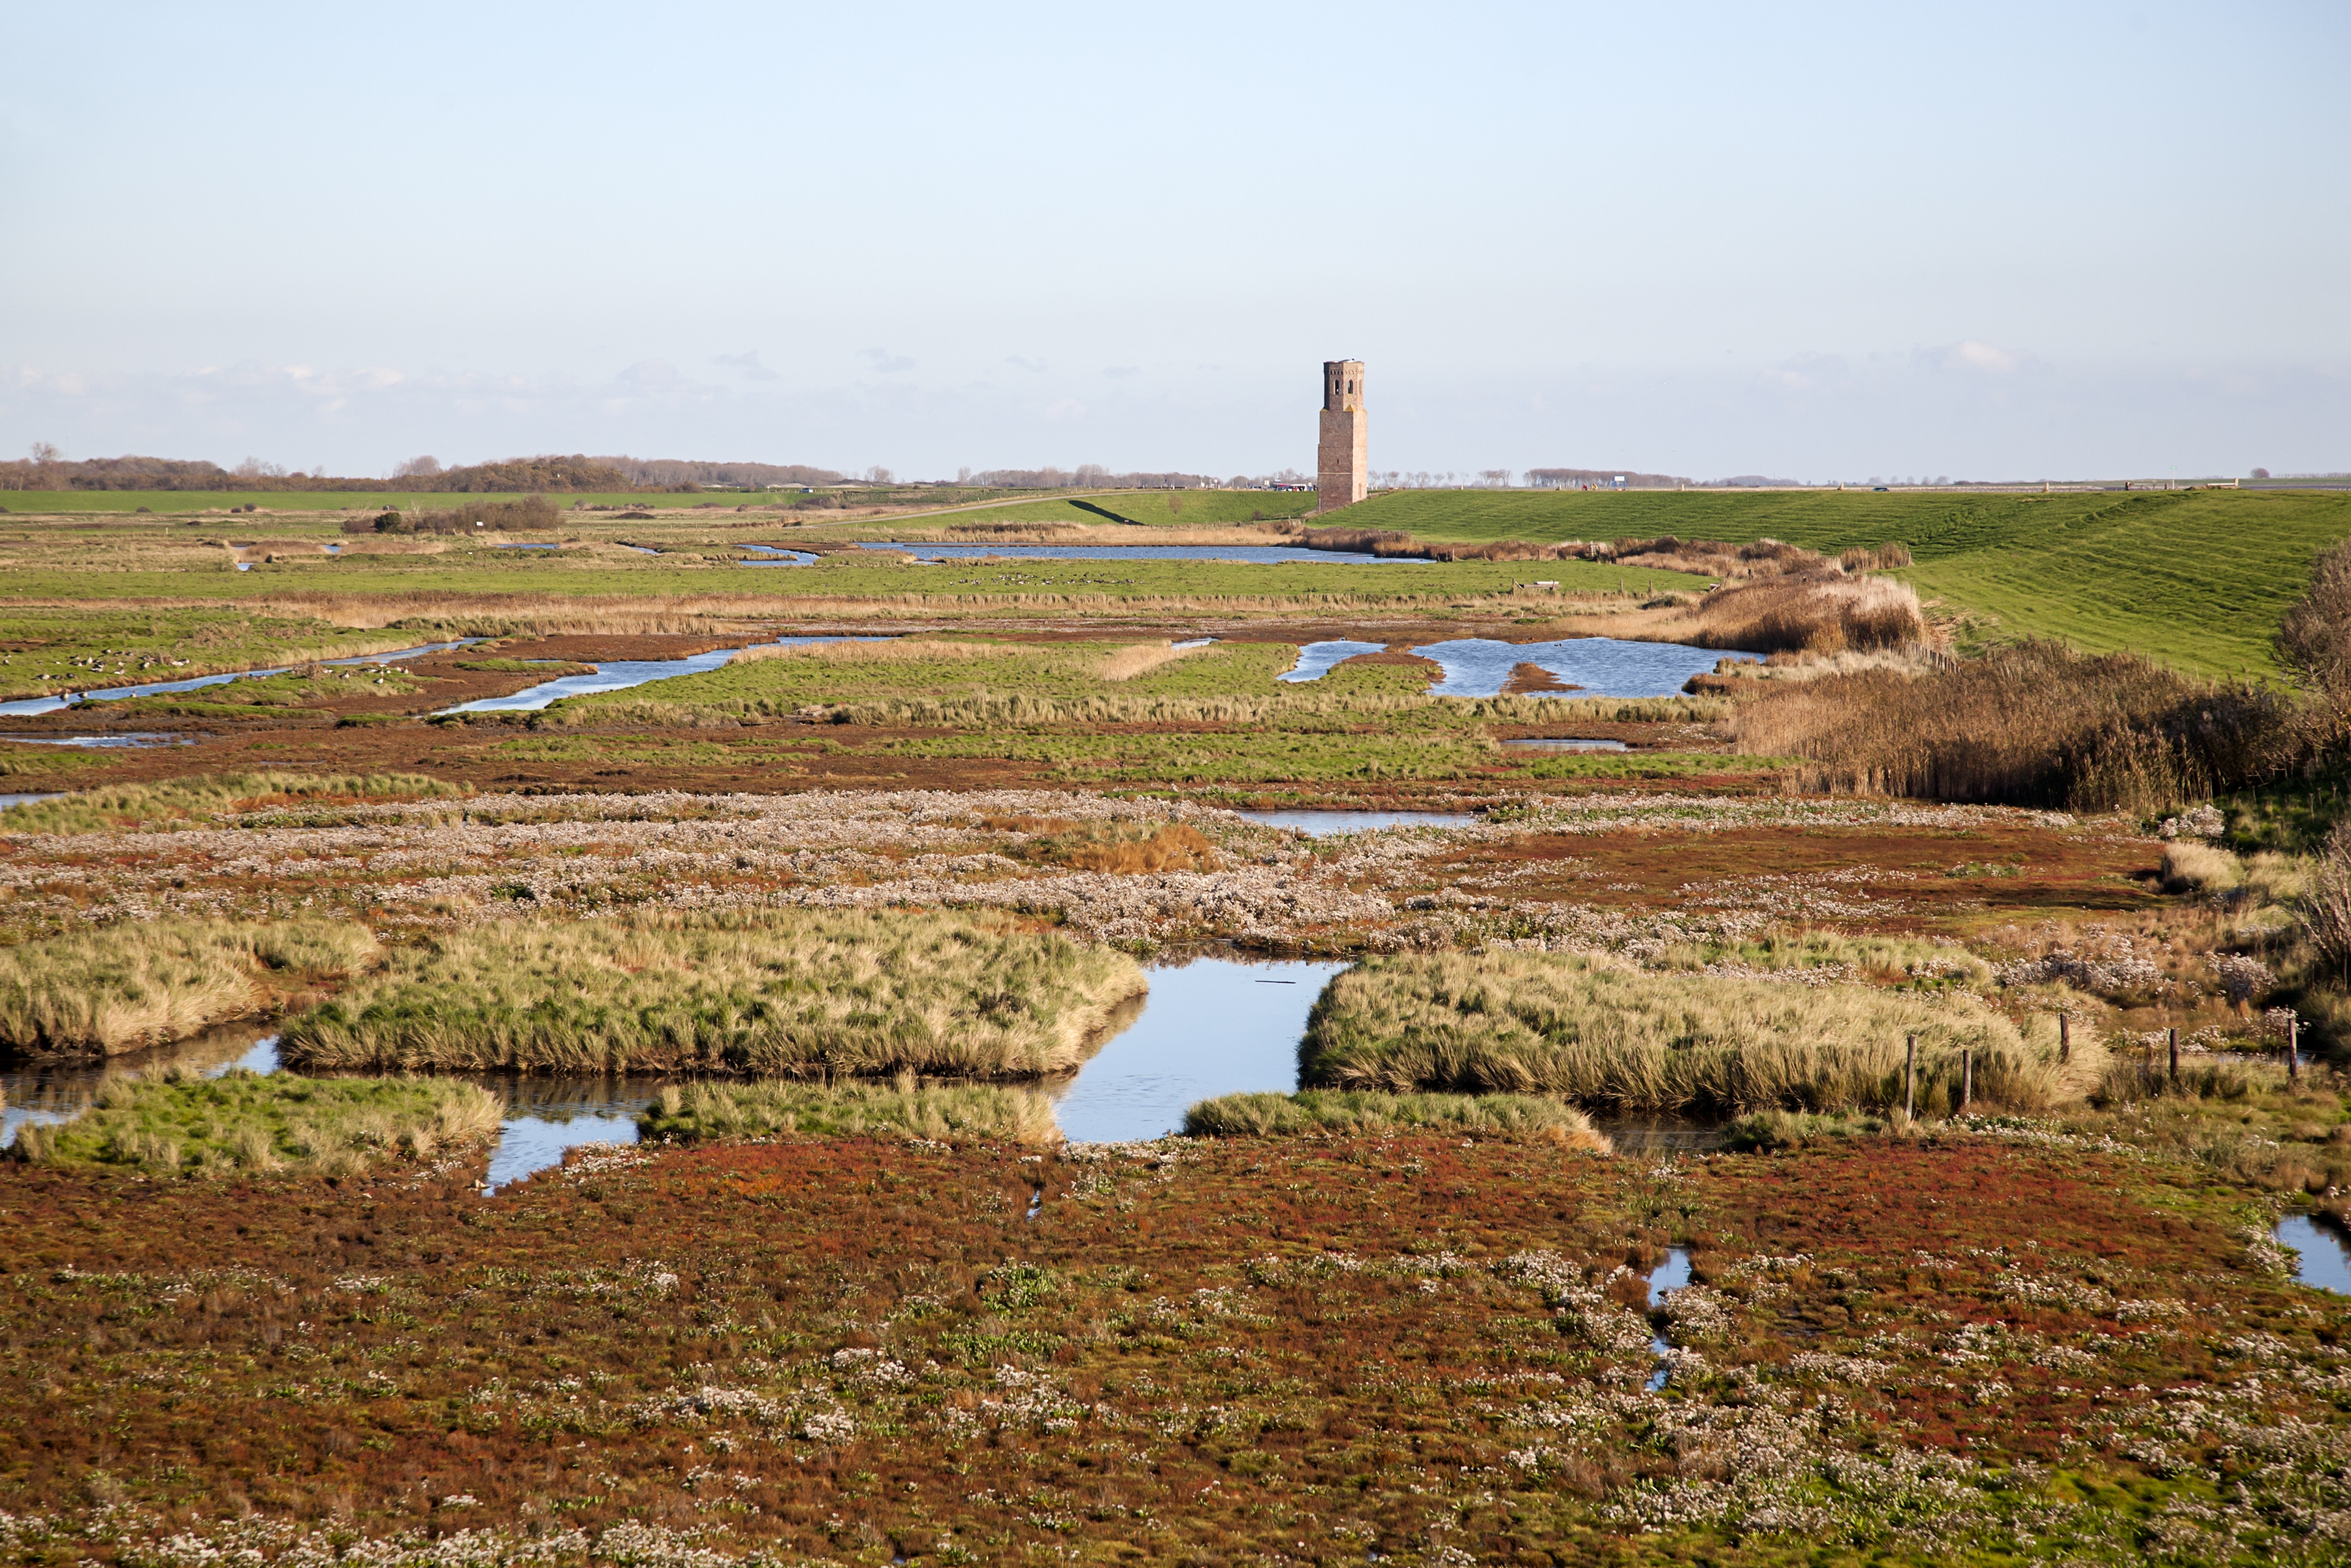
[1340, 467]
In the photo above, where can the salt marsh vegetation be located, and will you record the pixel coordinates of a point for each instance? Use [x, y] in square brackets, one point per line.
[704, 1110]
[243, 1124]
[1338, 1113]
[104, 992]
[787, 994]
[1602, 1032]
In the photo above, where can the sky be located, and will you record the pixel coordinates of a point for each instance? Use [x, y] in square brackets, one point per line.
[1816, 242]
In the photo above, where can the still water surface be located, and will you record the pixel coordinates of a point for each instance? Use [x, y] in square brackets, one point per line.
[619, 674]
[1211, 1026]
[56, 700]
[2322, 1255]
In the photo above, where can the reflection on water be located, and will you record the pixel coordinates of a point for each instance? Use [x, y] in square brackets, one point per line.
[779, 555]
[57, 700]
[1601, 666]
[1214, 1026]
[8, 800]
[2322, 1255]
[1671, 1275]
[126, 740]
[1323, 824]
[1208, 1027]
[619, 674]
[1563, 745]
[1315, 660]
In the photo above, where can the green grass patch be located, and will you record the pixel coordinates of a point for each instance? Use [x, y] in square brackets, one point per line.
[790, 993]
[101, 992]
[1338, 1113]
[244, 1124]
[2198, 579]
[699, 1111]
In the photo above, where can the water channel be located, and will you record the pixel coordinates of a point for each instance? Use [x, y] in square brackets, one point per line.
[1215, 1025]
[1671, 1275]
[57, 700]
[2322, 1252]
[619, 674]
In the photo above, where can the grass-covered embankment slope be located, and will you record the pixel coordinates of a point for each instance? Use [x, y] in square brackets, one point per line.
[1226, 1350]
[784, 993]
[1603, 1033]
[243, 1124]
[2198, 579]
[103, 991]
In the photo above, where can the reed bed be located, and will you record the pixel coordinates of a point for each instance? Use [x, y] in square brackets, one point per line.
[1142, 658]
[2035, 723]
[701, 1112]
[786, 994]
[102, 992]
[1354, 1113]
[1605, 1034]
[1816, 612]
[247, 1125]
[202, 797]
[895, 651]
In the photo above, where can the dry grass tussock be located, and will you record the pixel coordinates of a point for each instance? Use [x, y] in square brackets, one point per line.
[1604, 1033]
[121, 987]
[694, 1113]
[202, 797]
[788, 993]
[1814, 612]
[895, 651]
[1341, 1113]
[1142, 658]
[180, 1124]
[2033, 725]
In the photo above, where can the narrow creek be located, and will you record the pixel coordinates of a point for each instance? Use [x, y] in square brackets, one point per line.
[1668, 1276]
[60, 700]
[619, 674]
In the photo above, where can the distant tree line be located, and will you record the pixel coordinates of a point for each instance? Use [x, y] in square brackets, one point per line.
[46, 469]
[1084, 476]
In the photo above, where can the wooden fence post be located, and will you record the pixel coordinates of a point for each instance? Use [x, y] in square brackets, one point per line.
[1967, 1076]
[2065, 1039]
[2175, 1056]
[1910, 1079]
[2294, 1046]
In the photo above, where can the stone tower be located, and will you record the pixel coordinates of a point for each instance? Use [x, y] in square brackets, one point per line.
[1338, 462]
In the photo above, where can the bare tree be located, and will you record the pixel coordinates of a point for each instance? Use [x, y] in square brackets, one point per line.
[46, 452]
[423, 467]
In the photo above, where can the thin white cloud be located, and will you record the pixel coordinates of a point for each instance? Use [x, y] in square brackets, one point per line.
[1982, 357]
[747, 362]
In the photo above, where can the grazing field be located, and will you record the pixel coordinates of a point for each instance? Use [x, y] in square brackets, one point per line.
[1414, 1346]
[2198, 579]
[780, 994]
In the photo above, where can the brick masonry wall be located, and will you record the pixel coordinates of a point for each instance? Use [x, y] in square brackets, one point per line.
[1341, 461]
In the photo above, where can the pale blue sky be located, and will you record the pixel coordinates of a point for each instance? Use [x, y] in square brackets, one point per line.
[1825, 242]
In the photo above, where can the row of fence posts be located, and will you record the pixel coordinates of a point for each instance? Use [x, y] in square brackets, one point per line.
[2065, 1054]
